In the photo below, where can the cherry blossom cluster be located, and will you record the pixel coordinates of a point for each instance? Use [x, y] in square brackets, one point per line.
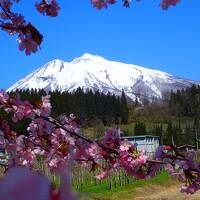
[165, 4]
[14, 23]
[22, 184]
[99, 4]
[28, 37]
[61, 144]
[181, 165]
[102, 4]
[48, 8]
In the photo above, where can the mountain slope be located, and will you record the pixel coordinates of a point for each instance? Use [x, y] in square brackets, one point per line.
[96, 73]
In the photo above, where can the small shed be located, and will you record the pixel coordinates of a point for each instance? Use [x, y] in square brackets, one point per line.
[148, 143]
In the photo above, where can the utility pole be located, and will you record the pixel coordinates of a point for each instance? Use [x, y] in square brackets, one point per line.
[173, 143]
[197, 140]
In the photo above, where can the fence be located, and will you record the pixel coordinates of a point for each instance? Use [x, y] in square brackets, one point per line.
[81, 177]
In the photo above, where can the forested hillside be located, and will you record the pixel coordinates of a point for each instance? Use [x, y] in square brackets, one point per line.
[175, 116]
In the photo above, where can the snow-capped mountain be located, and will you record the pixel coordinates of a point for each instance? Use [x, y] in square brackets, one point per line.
[96, 73]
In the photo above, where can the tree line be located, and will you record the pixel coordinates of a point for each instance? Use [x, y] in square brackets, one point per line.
[175, 116]
[88, 106]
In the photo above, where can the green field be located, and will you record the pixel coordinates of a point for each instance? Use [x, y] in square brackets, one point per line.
[102, 192]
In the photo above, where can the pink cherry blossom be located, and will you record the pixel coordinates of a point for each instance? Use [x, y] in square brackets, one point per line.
[57, 164]
[94, 151]
[5, 126]
[6, 4]
[49, 9]
[27, 157]
[29, 38]
[18, 114]
[27, 43]
[33, 128]
[99, 4]
[103, 175]
[111, 138]
[166, 3]
[45, 109]
[142, 158]
[61, 145]
[3, 97]
[190, 189]
[20, 184]
[124, 145]
[18, 20]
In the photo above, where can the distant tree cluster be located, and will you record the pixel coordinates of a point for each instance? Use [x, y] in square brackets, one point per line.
[140, 128]
[176, 105]
[186, 102]
[169, 132]
[88, 106]
[176, 117]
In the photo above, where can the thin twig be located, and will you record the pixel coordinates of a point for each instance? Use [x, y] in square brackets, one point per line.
[5, 11]
[55, 122]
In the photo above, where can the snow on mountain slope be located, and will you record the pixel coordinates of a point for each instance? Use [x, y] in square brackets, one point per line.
[96, 73]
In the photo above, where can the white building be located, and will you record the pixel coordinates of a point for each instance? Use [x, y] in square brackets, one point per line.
[148, 143]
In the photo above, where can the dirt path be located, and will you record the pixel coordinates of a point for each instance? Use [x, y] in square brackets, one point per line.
[163, 193]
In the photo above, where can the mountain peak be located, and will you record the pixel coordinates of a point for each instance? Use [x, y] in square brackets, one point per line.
[96, 73]
[88, 57]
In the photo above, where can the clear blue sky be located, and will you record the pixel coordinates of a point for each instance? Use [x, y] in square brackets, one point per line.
[143, 34]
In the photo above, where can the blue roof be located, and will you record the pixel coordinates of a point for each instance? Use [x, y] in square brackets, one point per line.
[140, 136]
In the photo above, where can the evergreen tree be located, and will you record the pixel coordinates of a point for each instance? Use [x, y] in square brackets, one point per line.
[124, 109]
[140, 128]
[158, 131]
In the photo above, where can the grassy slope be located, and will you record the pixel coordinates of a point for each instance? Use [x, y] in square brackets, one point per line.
[101, 192]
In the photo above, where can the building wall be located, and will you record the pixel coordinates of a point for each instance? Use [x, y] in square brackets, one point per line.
[146, 143]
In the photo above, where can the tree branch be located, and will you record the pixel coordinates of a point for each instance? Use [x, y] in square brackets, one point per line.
[6, 13]
[55, 122]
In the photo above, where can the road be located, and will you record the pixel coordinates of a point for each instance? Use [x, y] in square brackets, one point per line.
[156, 192]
